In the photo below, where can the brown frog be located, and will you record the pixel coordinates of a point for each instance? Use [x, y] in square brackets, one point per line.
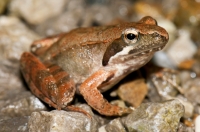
[89, 61]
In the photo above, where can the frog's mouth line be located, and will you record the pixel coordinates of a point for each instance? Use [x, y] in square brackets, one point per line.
[134, 53]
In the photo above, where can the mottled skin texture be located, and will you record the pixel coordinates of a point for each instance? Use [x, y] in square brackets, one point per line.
[89, 61]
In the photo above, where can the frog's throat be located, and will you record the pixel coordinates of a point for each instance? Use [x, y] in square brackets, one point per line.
[124, 68]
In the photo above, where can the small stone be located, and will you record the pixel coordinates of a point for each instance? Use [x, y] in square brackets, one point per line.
[115, 126]
[68, 20]
[15, 85]
[36, 11]
[189, 108]
[15, 38]
[133, 92]
[163, 85]
[192, 90]
[22, 105]
[197, 124]
[119, 103]
[105, 13]
[160, 58]
[182, 48]
[15, 124]
[152, 117]
[61, 121]
[102, 129]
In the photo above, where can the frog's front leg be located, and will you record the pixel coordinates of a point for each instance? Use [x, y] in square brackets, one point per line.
[95, 99]
[49, 82]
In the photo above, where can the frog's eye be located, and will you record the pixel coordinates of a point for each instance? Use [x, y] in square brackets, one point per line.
[130, 36]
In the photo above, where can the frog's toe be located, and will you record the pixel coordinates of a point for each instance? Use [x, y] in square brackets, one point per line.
[124, 111]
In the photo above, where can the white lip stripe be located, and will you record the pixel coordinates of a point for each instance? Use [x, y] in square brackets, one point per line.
[125, 51]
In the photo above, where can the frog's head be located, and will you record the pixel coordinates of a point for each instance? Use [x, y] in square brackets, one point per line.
[136, 40]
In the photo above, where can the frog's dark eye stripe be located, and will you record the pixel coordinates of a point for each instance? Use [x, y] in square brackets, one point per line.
[130, 36]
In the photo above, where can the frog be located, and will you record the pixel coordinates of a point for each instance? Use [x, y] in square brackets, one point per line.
[89, 61]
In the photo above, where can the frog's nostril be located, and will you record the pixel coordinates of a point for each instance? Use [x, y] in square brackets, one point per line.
[164, 34]
[156, 35]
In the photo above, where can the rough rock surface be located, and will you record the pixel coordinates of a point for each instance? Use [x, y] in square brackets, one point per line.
[36, 11]
[17, 124]
[115, 126]
[60, 121]
[155, 117]
[22, 105]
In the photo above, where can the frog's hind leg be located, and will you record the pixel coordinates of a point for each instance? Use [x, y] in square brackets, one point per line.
[41, 96]
[95, 99]
[50, 83]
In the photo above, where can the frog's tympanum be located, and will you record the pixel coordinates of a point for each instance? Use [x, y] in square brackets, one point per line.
[89, 61]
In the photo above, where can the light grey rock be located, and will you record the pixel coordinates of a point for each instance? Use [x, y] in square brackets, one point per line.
[160, 87]
[188, 106]
[68, 20]
[192, 91]
[182, 48]
[78, 13]
[60, 121]
[100, 119]
[115, 126]
[102, 129]
[22, 104]
[155, 117]
[36, 11]
[160, 58]
[15, 38]
[104, 13]
[10, 81]
[17, 124]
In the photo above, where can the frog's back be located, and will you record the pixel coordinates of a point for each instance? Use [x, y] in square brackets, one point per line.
[88, 36]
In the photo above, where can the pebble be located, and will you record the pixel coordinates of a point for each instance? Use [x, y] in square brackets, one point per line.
[155, 117]
[36, 11]
[61, 121]
[115, 126]
[133, 91]
[197, 124]
[18, 124]
[182, 48]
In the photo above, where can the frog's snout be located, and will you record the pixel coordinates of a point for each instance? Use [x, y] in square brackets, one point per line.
[165, 34]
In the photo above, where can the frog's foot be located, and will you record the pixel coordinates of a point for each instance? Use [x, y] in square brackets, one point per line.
[48, 82]
[77, 109]
[95, 99]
